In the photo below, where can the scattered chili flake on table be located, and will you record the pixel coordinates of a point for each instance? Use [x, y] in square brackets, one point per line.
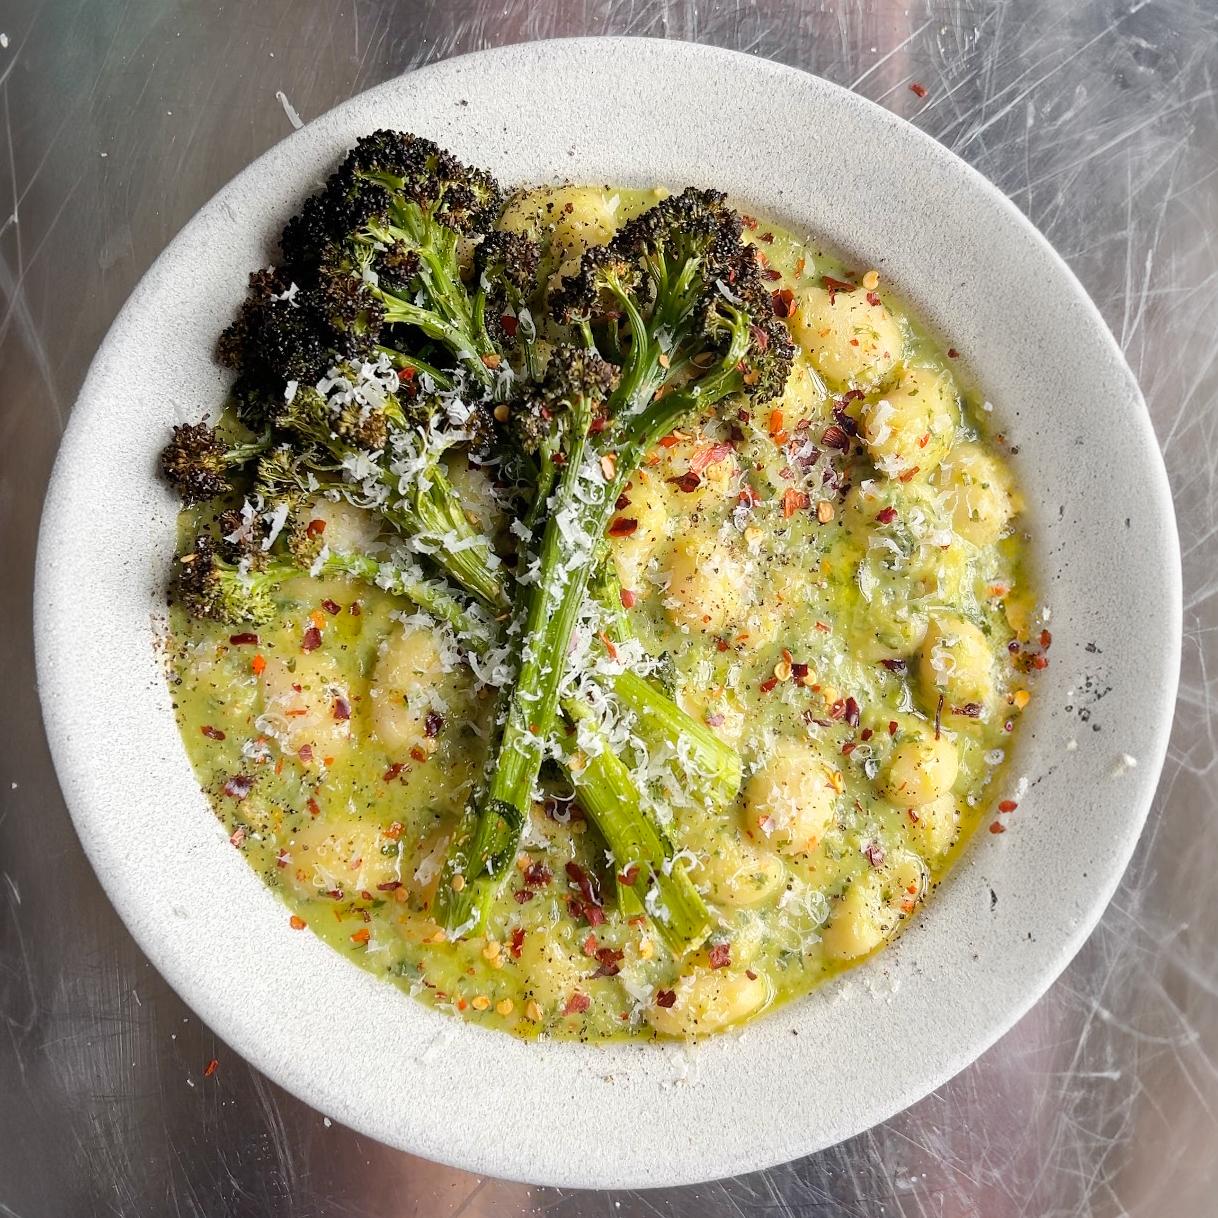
[211, 1067]
[1007, 805]
[998, 827]
[296, 922]
[918, 90]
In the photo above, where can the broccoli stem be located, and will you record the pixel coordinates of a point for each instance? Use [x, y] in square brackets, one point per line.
[400, 360]
[484, 845]
[659, 716]
[431, 514]
[607, 793]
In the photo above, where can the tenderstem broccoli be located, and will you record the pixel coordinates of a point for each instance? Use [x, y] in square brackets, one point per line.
[693, 324]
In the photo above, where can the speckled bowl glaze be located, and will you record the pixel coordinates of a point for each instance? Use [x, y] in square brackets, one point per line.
[1008, 919]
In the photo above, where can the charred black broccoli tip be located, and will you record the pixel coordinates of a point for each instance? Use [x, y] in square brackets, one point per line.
[198, 464]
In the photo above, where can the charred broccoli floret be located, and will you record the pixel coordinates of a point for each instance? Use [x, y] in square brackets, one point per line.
[390, 221]
[198, 464]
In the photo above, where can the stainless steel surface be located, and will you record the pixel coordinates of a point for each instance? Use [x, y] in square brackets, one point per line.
[1099, 119]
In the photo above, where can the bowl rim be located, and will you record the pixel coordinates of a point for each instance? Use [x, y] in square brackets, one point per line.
[658, 1155]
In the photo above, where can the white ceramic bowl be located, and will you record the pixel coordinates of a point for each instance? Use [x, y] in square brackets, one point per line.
[1007, 921]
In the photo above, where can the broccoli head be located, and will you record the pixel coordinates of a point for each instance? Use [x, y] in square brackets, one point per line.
[210, 587]
[197, 463]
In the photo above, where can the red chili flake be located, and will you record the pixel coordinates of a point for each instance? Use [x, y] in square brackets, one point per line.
[622, 526]
[1046, 639]
[628, 598]
[771, 274]
[282, 859]
[799, 670]
[886, 515]
[311, 640]
[394, 770]
[630, 876]
[314, 807]
[852, 712]
[720, 955]
[211, 1067]
[917, 89]
[333, 608]
[835, 436]
[315, 528]
[792, 502]
[238, 836]
[875, 854]
[585, 882]
[296, 922]
[354, 609]
[688, 482]
[722, 645]
[537, 875]
[783, 302]
[849, 747]
[609, 960]
[361, 936]
[516, 943]
[1040, 662]
[909, 474]
[872, 299]
[892, 727]
[598, 424]
[509, 323]
[836, 285]
[243, 640]
[406, 374]
[522, 895]
[212, 733]
[389, 886]
[970, 710]
[335, 894]
[433, 724]
[341, 709]
[838, 709]
[998, 827]
[666, 998]
[622, 503]
[866, 734]
[577, 1004]
[952, 353]
[1007, 805]
[822, 626]
[710, 456]
[715, 720]
[239, 786]
[418, 755]
[898, 666]
[768, 684]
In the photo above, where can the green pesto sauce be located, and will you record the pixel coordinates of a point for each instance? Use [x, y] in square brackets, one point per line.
[350, 830]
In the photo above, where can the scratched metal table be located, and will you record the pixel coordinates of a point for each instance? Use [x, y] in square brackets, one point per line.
[119, 119]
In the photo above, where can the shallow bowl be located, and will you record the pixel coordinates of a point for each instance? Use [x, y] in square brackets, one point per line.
[1009, 918]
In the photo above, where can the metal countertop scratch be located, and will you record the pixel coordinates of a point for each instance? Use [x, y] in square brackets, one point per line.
[1099, 118]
